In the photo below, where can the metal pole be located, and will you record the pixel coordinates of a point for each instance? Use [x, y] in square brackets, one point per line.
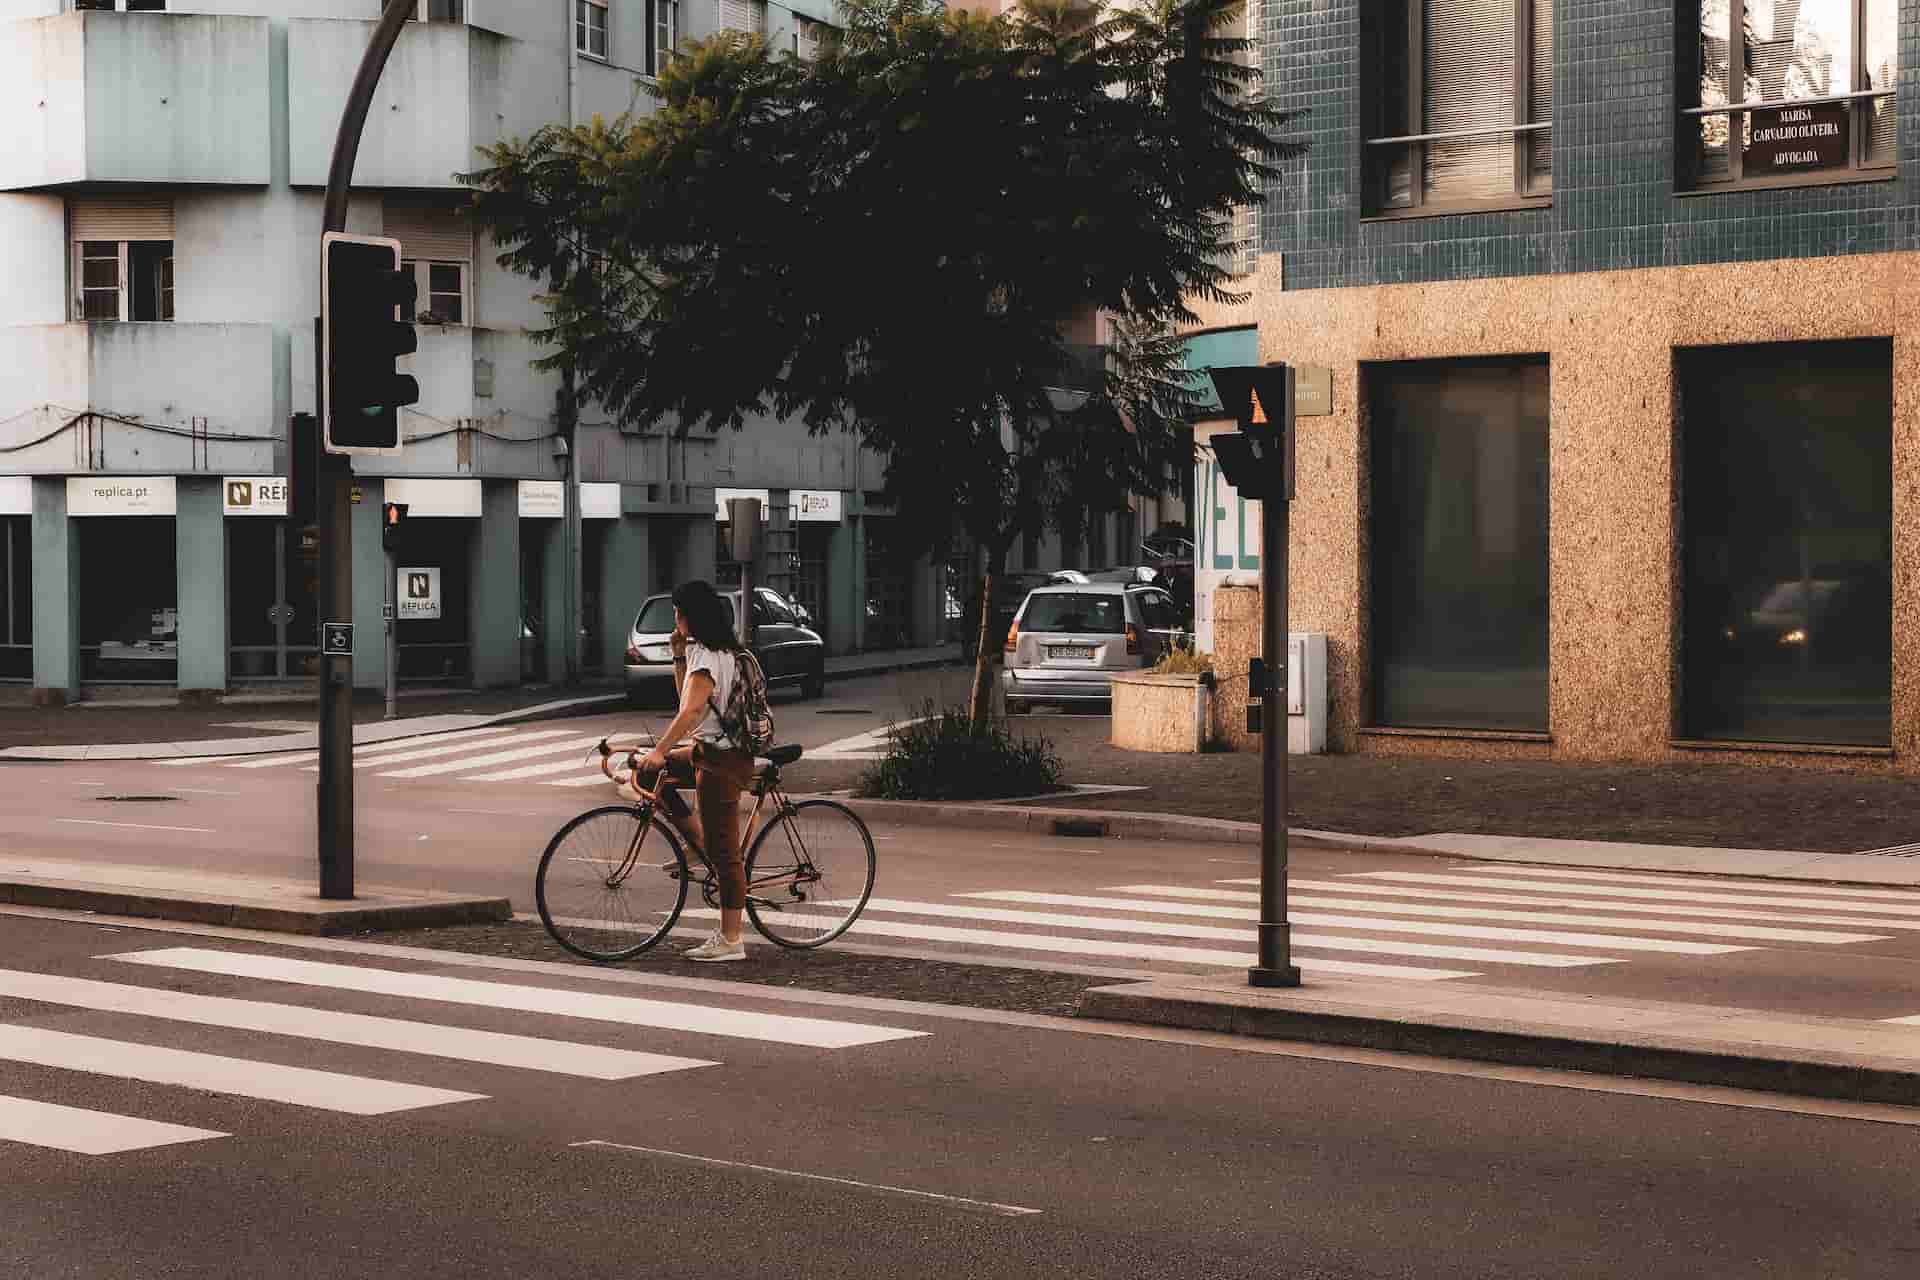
[392, 560]
[334, 498]
[1275, 967]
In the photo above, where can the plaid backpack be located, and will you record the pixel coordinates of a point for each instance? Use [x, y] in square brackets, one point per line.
[748, 717]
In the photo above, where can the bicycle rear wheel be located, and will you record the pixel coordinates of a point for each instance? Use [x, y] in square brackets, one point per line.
[809, 874]
[611, 884]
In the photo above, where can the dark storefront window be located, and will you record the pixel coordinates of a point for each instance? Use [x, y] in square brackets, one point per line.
[129, 606]
[888, 569]
[438, 650]
[1787, 483]
[16, 598]
[270, 583]
[1460, 543]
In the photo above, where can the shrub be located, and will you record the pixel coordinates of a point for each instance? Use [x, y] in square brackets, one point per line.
[1183, 662]
[944, 756]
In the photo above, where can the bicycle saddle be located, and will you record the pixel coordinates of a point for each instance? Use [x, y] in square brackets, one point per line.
[784, 754]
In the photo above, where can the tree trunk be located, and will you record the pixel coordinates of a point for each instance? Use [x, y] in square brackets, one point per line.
[980, 703]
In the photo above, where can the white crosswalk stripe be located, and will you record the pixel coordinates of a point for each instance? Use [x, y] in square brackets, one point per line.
[156, 1013]
[465, 763]
[541, 757]
[1807, 897]
[1784, 888]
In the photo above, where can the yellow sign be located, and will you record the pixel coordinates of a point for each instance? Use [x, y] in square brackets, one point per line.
[1259, 418]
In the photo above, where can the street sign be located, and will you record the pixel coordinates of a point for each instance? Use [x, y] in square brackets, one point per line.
[418, 594]
[336, 639]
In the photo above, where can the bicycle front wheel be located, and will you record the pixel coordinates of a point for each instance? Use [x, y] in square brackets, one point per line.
[611, 883]
[809, 874]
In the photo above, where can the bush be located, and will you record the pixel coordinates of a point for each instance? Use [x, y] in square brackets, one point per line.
[943, 756]
[1183, 662]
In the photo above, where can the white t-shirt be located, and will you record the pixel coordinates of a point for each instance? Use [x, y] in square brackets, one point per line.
[724, 668]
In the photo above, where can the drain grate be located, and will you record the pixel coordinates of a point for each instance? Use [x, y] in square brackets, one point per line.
[136, 799]
[1892, 851]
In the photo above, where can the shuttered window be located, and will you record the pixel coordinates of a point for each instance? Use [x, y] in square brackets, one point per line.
[121, 218]
[433, 231]
[744, 15]
[1465, 103]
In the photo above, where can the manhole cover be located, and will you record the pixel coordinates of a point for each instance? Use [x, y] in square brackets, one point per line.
[843, 711]
[136, 798]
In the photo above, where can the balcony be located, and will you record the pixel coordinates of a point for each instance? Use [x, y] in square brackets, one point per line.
[158, 98]
[448, 90]
[194, 379]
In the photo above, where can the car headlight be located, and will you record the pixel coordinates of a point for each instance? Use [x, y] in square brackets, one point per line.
[1796, 636]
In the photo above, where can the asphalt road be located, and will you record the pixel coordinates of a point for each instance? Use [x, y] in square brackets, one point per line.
[866, 1140]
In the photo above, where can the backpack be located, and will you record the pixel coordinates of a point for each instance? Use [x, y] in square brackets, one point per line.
[748, 717]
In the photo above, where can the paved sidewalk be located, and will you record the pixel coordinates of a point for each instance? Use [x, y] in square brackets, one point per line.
[72, 733]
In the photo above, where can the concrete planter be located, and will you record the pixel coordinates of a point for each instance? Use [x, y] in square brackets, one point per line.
[1162, 712]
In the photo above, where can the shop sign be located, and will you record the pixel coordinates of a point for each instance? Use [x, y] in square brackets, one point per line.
[1312, 391]
[821, 505]
[418, 593]
[120, 495]
[600, 501]
[16, 495]
[431, 498]
[1795, 139]
[255, 495]
[722, 496]
[542, 499]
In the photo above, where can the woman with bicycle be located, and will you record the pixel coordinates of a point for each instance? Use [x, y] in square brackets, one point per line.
[706, 663]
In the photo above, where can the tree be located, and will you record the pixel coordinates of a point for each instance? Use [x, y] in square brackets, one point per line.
[891, 238]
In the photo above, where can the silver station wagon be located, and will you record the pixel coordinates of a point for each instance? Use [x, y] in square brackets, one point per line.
[1068, 641]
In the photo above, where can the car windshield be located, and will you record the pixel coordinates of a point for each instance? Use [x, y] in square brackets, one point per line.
[1075, 614]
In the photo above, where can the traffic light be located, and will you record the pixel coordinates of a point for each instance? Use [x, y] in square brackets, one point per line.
[392, 516]
[1257, 460]
[361, 290]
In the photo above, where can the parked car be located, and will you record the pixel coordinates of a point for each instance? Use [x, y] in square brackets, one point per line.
[790, 651]
[1067, 642]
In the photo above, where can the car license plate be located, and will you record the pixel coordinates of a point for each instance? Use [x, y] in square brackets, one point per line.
[1072, 651]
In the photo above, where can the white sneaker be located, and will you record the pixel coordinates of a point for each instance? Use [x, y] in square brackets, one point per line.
[716, 947]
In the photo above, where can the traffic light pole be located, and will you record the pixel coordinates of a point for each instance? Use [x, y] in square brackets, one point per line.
[1275, 967]
[392, 560]
[334, 474]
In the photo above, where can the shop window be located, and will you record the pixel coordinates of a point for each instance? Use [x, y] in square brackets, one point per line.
[1463, 111]
[129, 617]
[123, 280]
[441, 292]
[1806, 87]
[663, 33]
[1787, 507]
[16, 598]
[590, 27]
[1459, 558]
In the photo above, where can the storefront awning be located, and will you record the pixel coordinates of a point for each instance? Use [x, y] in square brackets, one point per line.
[1220, 348]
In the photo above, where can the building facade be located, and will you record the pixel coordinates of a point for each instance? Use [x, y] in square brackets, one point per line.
[162, 164]
[1617, 303]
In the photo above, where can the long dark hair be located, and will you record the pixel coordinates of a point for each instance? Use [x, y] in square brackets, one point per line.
[709, 620]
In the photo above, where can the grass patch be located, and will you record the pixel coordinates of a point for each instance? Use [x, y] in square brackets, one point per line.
[945, 756]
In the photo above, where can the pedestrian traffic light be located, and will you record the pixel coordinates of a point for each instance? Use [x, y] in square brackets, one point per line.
[362, 289]
[1258, 459]
[392, 516]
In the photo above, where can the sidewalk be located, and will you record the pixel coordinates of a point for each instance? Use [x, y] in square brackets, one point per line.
[244, 723]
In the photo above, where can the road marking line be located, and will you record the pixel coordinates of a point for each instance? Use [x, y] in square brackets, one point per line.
[503, 813]
[596, 778]
[571, 745]
[533, 771]
[142, 826]
[1628, 891]
[493, 1048]
[965, 1202]
[1691, 913]
[268, 762]
[88, 1133]
[814, 1033]
[414, 751]
[1907, 896]
[1310, 941]
[123, 1060]
[1418, 909]
[868, 927]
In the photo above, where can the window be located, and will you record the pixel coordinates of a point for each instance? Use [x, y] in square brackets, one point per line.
[441, 11]
[1787, 508]
[749, 16]
[768, 607]
[1459, 555]
[1834, 61]
[590, 27]
[1465, 107]
[127, 6]
[1063, 614]
[123, 280]
[663, 33]
[809, 37]
[441, 292]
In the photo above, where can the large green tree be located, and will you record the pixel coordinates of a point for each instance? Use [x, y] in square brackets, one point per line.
[892, 238]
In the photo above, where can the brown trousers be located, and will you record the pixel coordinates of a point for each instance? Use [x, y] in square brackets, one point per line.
[718, 775]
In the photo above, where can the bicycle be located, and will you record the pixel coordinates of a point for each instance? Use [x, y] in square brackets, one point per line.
[613, 881]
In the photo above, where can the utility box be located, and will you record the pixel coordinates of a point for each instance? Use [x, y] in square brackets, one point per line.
[1306, 698]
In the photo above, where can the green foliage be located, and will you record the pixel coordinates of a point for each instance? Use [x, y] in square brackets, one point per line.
[1183, 662]
[947, 756]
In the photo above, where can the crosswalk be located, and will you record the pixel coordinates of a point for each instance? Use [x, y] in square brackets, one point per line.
[546, 757]
[153, 1014]
[1457, 922]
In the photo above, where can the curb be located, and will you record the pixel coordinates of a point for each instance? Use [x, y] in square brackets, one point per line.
[1092, 823]
[312, 918]
[1812, 1073]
